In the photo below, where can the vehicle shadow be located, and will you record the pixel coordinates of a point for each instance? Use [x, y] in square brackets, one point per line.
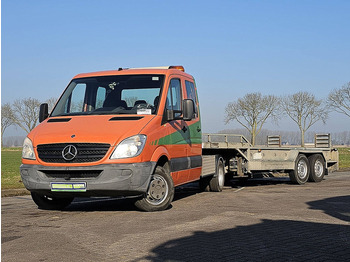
[260, 181]
[181, 192]
[338, 207]
[101, 204]
[270, 240]
[124, 203]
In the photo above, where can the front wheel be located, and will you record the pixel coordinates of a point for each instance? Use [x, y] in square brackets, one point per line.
[317, 168]
[159, 194]
[51, 203]
[301, 171]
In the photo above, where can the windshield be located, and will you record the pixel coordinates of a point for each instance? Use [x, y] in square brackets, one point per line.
[125, 94]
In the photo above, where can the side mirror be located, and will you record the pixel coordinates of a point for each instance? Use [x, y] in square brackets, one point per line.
[44, 112]
[188, 109]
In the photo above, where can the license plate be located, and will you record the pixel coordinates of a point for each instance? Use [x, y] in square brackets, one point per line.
[69, 187]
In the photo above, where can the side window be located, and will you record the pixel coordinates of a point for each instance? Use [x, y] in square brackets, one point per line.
[100, 97]
[174, 98]
[76, 101]
[191, 93]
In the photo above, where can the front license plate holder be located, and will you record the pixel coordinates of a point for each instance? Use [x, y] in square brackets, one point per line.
[68, 187]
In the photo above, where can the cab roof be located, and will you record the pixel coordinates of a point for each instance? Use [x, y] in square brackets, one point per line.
[164, 70]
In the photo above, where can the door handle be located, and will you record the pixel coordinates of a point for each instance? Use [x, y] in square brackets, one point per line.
[198, 129]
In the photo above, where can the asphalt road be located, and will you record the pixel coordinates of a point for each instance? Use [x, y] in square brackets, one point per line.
[263, 220]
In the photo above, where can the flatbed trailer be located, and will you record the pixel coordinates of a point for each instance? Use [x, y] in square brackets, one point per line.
[241, 159]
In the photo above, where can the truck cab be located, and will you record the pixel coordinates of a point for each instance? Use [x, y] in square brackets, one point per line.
[127, 132]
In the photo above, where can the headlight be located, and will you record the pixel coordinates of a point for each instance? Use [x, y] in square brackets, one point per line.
[129, 147]
[28, 150]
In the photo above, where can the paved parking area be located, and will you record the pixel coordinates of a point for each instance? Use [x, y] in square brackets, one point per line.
[264, 220]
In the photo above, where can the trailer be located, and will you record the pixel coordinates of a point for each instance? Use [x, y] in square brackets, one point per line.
[243, 160]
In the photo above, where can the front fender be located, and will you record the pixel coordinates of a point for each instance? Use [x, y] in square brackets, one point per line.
[159, 152]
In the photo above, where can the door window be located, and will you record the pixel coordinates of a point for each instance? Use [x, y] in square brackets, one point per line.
[174, 97]
[191, 94]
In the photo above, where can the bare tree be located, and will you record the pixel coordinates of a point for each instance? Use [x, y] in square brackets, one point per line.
[6, 118]
[26, 113]
[51, 103]
[252, 111]
[305, 110]
[339, 100]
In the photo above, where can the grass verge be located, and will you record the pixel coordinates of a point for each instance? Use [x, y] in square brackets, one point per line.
[10, 162]
[344, 158]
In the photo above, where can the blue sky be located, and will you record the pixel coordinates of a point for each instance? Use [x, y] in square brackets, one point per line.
[231, 47]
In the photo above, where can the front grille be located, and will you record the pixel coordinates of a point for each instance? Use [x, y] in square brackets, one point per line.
[86, 152]
[75, 174]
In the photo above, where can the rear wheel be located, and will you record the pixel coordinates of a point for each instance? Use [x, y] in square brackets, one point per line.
[317, 168]
[301, 171]
[159, 194]
[51, 203]
[217, 182]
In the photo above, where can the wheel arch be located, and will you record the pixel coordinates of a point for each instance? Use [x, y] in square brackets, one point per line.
[161, 157]
[164, 162]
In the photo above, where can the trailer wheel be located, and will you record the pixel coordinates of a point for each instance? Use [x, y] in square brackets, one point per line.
[160, 192]
[301, 171]
[51, 203]
[217, 182]
[317, 168]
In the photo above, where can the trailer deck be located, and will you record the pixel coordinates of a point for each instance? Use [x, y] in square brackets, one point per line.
[244, 159]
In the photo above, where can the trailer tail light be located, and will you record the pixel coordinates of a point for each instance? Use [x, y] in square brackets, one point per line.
[177, 67]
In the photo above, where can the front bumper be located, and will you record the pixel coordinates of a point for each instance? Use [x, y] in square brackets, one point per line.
[101, 180]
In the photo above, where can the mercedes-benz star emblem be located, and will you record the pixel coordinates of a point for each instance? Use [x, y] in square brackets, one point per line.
[69, 152]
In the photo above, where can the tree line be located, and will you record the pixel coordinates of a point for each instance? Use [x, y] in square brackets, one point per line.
[253, 110]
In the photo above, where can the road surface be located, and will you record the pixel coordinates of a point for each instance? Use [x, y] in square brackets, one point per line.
[263, 220]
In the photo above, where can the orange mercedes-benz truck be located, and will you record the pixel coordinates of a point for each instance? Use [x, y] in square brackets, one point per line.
[128, 132]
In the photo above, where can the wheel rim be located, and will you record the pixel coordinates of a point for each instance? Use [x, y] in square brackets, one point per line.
[221, 176]
[158, 190]
[302, 169]
[318, 168]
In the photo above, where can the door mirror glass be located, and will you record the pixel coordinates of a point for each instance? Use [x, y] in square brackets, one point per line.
[188, 109]
[43, 112]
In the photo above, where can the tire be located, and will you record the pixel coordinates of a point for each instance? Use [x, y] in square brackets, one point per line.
[217, 182]
[159, 194]
[301, 171]
[317, 168]
[51, 203]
